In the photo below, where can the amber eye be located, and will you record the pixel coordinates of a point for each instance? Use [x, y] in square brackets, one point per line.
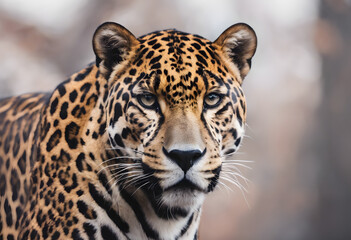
[147, 100]
[212, 100]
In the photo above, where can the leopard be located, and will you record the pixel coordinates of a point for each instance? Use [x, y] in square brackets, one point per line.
[130, 146]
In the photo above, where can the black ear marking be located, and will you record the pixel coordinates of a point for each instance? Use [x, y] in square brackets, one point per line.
[112, 44]
[239, 43]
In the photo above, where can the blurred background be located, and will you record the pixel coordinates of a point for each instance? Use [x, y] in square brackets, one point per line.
[298, 94]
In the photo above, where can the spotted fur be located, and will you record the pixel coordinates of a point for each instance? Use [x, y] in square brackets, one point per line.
[128, 147]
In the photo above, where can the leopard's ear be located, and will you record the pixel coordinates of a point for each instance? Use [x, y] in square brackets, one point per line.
[112, 44]
[238, 43]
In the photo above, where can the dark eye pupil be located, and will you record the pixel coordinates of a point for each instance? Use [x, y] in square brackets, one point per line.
[212, 97]
[212, 100]
[147, 100]
[148, 97]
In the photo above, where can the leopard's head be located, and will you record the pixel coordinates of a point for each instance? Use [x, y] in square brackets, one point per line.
[175, 108]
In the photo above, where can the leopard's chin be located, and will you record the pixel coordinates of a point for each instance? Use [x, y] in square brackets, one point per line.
[184, 198]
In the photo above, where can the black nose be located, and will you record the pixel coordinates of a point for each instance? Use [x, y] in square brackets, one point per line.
[184, 159]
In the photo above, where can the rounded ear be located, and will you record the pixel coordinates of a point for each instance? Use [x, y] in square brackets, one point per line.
[238, 44]
[112, 44]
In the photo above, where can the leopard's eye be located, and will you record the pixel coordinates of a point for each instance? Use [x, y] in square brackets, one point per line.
[147, 100]
[212, 100]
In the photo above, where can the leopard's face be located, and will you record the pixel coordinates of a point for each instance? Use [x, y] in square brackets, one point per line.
[175, 108]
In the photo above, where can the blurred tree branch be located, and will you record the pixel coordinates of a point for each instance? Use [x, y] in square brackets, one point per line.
[331, 219]
[64, 52]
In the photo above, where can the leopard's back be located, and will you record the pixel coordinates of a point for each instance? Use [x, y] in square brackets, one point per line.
[19, 118]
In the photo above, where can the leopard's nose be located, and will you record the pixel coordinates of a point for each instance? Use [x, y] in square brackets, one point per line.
[184, 159]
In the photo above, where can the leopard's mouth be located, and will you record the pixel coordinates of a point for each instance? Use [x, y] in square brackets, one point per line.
[185, 185]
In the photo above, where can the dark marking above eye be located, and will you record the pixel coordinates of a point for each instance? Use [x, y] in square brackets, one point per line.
[156, 83]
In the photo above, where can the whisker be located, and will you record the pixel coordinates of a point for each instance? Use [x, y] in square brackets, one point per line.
[124, 148]
[137, 179]
[247, 125]
[117, 179]
[119, 157]
[242, 189]
[236, 164]
[233, 153]
[114, 178]
[247, 136]
[238, 160]
[226, 187]
[120, 175]
[247, 181]
[232, 169]
[118, 165]
[236, 183]
[139, 188]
